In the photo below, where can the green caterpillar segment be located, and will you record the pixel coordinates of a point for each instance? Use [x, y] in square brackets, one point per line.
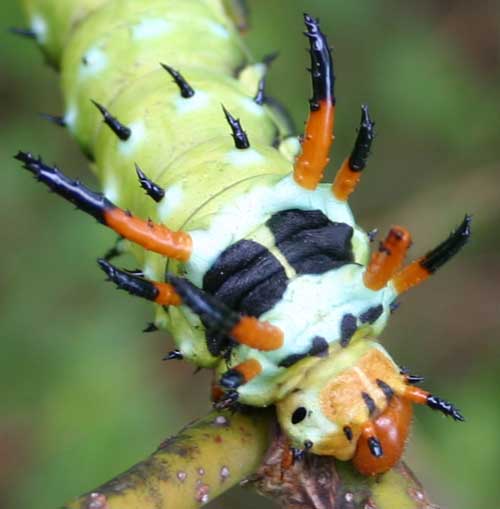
[269, 280]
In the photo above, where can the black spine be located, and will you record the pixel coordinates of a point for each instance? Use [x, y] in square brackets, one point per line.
[375, 447]
[363, 143]
[121, 130]
[260, 97]
[215, 315]
[55, 119]
[239, 135]
[150, 327]
[449, 248]
[184, 87]
[23, 32]
[322, 74]
[174, 355]
[152, 190]
[126, 281]
[445, 407]
[90, 202]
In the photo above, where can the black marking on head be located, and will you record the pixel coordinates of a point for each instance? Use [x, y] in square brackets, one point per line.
[122, 131]
[434, 259]
[260, 97]
[370, 404]
[375, 447]
[217, 318]
[232, 379]
[347, 432]
[247, 278]
[322, 74]
[128, 282]
[319, 347]
[308, 444]
[153, 190]
[372, 314]
[150, 327]
[311, 243]
[83, 198]
[238, 134]
[445, 407]
[361, 150]
[299, 415]
[184, 87]
[174, 355]
[347, 329]
[23, 32]
[55, 119]
[386, 389]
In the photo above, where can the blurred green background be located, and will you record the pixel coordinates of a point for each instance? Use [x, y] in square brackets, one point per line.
[84, 394]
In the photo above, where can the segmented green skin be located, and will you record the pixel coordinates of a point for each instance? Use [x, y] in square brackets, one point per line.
[110, 51]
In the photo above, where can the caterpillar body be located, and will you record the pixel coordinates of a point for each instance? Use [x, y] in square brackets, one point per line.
[260, 271]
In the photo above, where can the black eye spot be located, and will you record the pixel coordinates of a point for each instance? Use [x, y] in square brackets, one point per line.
[299, 415]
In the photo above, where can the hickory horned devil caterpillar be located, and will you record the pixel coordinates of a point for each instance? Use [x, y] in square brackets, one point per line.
[269, 281]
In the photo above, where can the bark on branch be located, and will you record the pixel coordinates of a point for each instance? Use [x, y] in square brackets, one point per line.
[213, 454]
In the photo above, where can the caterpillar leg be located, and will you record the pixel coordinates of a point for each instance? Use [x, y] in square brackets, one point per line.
[161, 293]
[153, 237]
[318, 136]
[388, 259]
[240, 374]
[349, 174]
[421, 269]
[220, 320]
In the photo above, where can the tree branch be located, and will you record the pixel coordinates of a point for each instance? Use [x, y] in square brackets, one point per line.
[213, 454]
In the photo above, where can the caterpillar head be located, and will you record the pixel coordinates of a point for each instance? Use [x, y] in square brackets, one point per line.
[355, 405]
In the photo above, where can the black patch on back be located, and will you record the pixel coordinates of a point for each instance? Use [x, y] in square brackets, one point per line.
[292, 359]
[310, 242]
[247, 278]
[347, 329]
[319, 347]
[371, 314]
[299, 415]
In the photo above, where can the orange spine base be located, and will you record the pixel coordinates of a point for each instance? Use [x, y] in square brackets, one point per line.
[256, 334]
[410, 276]
[346, 181]
[318, 139]
[151, 236]
[248, 369]
[388, 259]
[167, 296]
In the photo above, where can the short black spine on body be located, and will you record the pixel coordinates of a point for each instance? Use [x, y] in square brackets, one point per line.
[434, 259]
[370, 404]
[363, 143]
[174, 355]
[55, 119]
[153, 190]
[260, 97]
[150, 327]
[28, 33]
[184, 87]
[322, 73]
[126, 281]
[95, 204]
[122, 131]
[238, 134]
[231, 379]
